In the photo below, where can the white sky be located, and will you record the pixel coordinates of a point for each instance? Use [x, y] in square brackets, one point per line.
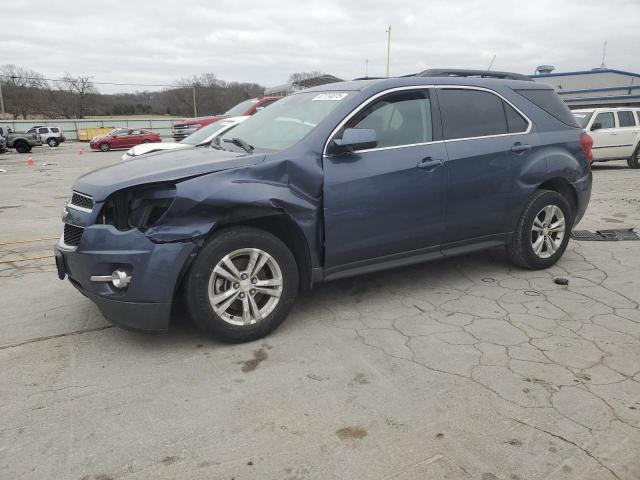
[160, 41]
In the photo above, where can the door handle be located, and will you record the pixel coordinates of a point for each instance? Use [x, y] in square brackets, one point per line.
[429, 164]
[520, 147]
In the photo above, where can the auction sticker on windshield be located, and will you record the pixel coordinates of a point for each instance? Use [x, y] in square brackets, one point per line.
[329, 96]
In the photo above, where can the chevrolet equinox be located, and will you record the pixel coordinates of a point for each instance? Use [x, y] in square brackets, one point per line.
[338, 180]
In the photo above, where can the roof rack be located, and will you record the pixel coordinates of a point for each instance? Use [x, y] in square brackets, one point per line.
[453, 72]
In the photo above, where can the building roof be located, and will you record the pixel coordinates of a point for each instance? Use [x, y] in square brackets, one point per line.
[585, 72]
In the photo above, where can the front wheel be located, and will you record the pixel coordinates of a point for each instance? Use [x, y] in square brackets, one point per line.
[104, 147]
[543, 230]
[22, 147]
[242, 284]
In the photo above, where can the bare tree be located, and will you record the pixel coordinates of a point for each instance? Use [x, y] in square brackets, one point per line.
[298, 77]
[81, 89]
[23, 90]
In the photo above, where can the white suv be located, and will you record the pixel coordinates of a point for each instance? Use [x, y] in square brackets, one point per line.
[52, 136]
[615, 133]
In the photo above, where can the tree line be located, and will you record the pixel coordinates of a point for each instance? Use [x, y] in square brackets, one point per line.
[27, 93]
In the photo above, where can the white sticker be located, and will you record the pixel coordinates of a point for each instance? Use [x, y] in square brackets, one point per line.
[579, 115]
[329, 96]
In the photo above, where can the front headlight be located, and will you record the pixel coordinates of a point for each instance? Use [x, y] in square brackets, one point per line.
[139, 207]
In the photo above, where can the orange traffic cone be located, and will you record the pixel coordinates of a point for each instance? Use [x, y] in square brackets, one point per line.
[81, 151]
[30, 161]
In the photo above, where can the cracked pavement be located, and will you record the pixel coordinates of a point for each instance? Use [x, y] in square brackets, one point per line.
[466, 368]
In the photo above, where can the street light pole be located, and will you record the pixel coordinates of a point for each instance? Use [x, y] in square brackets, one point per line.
[195, 110]
[388, 48]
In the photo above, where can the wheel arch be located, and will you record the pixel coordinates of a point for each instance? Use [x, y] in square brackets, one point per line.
[564, 188]
[276, 222]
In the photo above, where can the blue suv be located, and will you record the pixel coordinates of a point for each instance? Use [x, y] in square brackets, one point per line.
[339, 180]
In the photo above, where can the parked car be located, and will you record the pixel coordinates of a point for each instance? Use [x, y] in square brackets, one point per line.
[52, 136]
[201, 138]
[22, 142]
[248, 107]
[123, 138]
[334, 181]
[615, 133]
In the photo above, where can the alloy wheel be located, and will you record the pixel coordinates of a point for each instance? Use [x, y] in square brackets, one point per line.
[547, 231]
[245, 286]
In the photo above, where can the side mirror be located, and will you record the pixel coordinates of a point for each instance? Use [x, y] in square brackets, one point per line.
[356, 139]
[596, 126]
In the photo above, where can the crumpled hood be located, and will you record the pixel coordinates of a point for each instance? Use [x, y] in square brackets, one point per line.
[162, 167]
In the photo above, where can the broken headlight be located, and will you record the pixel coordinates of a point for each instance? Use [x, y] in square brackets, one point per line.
[137, 208]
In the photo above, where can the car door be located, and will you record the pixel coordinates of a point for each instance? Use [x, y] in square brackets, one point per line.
[386, 202]
[627, 133]
[487, 139]
[604, 135]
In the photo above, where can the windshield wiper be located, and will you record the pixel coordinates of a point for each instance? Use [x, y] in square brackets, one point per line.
[238, 142]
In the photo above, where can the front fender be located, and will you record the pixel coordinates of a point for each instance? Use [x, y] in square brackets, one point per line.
[232, 196]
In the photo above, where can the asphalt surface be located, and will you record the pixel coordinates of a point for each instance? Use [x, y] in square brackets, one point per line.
[463, 369]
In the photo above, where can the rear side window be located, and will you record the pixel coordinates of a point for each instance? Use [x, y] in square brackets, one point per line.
[55, 130]
[626, 119]
[471, 113]
[549, 101]
[515, 122]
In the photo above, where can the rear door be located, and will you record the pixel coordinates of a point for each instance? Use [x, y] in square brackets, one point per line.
[627, 133]
[487, 140]
[605, 136]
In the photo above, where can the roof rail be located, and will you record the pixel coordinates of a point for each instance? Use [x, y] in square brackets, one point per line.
[458, 72]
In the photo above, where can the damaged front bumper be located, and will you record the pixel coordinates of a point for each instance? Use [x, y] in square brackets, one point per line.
[154, 269]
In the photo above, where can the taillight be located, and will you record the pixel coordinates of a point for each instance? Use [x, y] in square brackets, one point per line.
[587, 142]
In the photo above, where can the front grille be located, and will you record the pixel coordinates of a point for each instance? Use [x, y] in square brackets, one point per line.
[72, 235]
[83, 201]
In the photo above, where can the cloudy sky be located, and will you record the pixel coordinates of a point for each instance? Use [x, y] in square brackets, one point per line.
[238, 40]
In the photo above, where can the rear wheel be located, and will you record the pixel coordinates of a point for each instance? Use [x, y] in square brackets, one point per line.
[242, 284]
[22, 147]
[543, 230]
[105, 147]
[52, 142]
[634, 161]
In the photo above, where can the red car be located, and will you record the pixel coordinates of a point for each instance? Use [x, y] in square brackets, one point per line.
[123, 138]
[248, 107]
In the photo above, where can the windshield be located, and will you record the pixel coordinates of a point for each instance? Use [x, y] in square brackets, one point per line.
[285, 122]
[207, 132]
[582, 118]
[241, 107]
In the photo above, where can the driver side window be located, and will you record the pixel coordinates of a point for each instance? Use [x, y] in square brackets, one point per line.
[400, 118]
[605, 119]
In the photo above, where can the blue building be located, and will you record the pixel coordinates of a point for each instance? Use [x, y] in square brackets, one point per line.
[598, 87]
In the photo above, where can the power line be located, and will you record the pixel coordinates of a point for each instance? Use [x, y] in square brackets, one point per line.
[96, 82]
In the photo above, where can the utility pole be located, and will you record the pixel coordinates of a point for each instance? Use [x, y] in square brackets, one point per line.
[1, 100]
[195, 110]
[388, 48]
[604, 52]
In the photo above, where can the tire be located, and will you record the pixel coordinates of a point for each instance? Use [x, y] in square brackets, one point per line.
[203, 285]
[22, 147]
[521, 248]
[53, 142]
[634, 160]
[105, 147]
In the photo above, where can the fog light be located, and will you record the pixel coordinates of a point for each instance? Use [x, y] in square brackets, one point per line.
[119, 278]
